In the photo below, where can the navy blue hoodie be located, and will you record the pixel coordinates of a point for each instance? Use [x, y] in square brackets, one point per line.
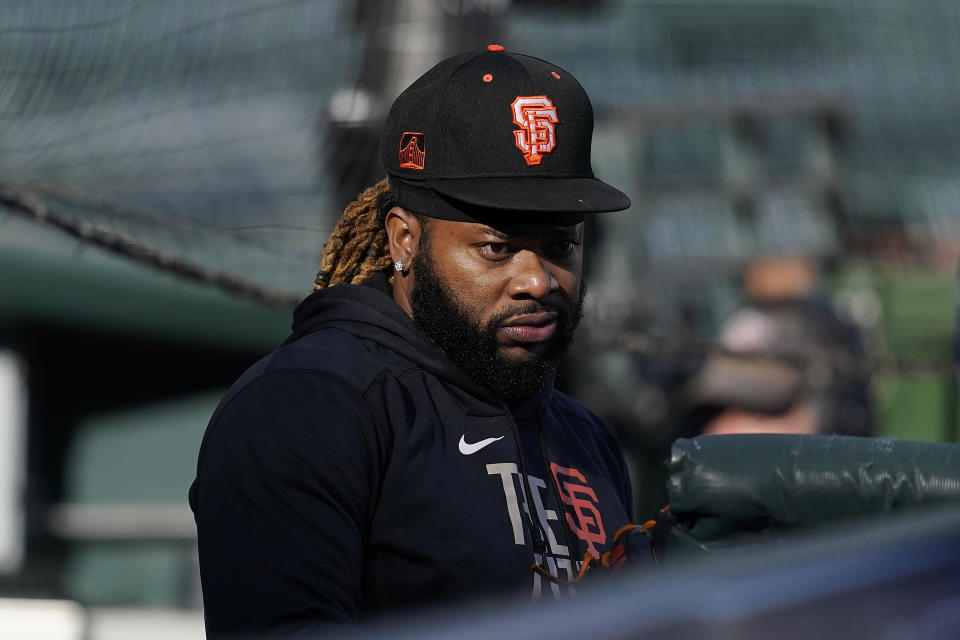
[357, 470]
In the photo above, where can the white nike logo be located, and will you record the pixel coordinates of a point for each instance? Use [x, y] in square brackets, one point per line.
[468, 449]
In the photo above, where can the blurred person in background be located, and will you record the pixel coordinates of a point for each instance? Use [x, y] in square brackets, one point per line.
[785, 362]
[406, 445]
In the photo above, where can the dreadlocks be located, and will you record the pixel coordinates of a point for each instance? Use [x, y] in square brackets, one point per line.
[357, 247]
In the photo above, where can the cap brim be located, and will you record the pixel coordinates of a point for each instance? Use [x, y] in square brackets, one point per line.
[534, 194]
[763, 386]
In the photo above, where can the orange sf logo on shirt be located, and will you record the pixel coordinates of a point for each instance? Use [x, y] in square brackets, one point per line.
[588, 525]
[536, 117]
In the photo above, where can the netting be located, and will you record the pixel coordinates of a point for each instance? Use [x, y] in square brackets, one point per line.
[220, 140]
[186, 132]
[202, 131]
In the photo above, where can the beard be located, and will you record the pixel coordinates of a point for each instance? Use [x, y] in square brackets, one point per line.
[474, 347]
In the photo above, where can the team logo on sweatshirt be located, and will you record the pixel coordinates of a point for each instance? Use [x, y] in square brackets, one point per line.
[585, 520]
[536, 117]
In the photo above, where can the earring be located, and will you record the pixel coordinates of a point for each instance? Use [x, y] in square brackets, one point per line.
[398, 266]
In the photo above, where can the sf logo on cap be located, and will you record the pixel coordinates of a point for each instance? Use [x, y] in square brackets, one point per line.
[535, 115]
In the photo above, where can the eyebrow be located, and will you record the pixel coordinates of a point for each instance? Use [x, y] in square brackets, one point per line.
[495, 232]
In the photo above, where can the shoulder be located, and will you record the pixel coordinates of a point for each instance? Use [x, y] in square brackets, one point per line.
[337, 352]
[330, 358]
[587, 438]
[568, 409]
[316, 383]
[581, 427]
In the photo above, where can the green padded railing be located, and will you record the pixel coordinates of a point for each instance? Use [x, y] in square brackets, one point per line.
[725, 485]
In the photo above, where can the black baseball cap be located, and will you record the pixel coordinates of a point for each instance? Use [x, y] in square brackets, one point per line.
[494, 130]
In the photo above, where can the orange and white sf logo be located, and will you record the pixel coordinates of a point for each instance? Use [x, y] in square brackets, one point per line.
[588, 525]
[535, 115]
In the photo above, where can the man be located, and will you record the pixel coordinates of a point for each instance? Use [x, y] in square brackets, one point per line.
[405, 445]
[788, 366]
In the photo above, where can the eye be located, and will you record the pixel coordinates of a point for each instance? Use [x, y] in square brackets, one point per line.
[562, 248]
[494, 250]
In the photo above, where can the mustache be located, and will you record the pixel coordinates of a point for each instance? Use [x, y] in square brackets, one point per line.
[564, 311]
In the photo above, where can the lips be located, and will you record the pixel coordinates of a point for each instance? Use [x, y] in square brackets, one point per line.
[531, 327]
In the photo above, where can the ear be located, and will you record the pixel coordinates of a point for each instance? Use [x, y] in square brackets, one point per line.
[403, 234]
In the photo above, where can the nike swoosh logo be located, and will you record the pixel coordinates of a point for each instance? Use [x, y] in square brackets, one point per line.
[469, 449]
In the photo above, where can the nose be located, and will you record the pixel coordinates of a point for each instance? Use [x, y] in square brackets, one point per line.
[532, 277]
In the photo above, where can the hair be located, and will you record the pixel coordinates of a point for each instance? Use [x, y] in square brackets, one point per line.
[357, 247]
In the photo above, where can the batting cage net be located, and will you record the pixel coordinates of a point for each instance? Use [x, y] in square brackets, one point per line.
[219, 140]
[186, 134]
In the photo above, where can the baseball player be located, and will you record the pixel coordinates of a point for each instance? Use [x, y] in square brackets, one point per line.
[406, 445]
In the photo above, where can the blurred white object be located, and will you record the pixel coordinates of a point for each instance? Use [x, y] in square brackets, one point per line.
[352, 106]
[122, 522]
[145, 624]
[13, 428]
[27, 619]
[35, 619]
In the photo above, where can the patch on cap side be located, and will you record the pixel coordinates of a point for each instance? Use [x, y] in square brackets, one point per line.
[412, 150]
[535, 115]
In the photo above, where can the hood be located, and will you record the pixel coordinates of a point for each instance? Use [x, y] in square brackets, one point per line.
[369, 312]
